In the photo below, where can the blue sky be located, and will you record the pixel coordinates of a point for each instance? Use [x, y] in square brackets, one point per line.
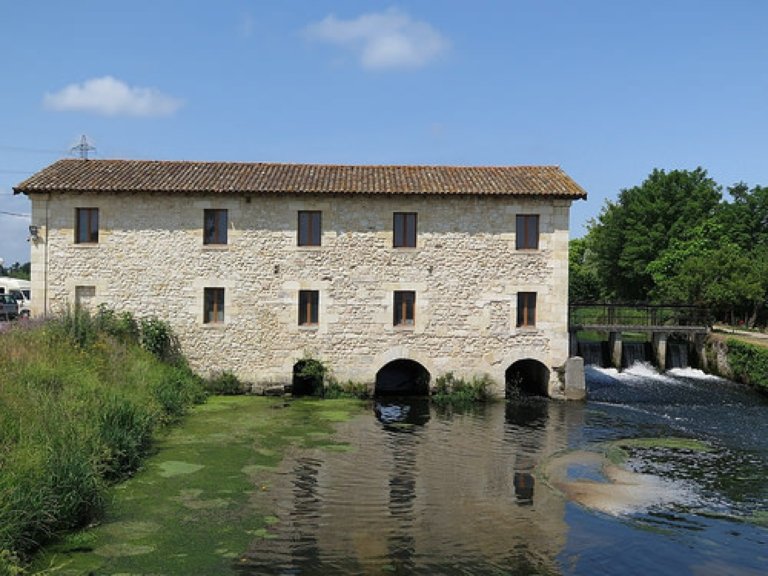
[609, 89]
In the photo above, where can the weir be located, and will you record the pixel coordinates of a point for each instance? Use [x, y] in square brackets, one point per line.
[668, 336]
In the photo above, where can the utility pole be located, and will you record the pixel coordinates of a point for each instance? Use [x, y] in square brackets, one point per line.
[83, 148]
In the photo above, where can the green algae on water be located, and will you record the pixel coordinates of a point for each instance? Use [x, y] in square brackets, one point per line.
[192, 509]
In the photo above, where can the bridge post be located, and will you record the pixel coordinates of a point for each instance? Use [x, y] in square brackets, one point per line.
[660, 349]
[616, 348]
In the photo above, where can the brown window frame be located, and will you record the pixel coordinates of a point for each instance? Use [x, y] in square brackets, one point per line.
[310, 228]
[527, 232]
[309, 307]
[404, 308]
[526, 309]
[404, 229]
[86, 225]
[215, 225]
[213, 305]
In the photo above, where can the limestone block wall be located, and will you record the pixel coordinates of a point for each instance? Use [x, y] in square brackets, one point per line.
[465, 270]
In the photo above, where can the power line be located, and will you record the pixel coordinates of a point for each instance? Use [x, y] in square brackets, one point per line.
[33, 150]
[15, 214]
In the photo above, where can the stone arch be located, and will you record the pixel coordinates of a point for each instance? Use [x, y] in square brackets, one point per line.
[528, 376]
[402, 377]
[308, 375]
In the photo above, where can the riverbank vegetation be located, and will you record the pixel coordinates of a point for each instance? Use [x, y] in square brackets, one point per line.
[81, 397]
[679, 238]
[749, 363]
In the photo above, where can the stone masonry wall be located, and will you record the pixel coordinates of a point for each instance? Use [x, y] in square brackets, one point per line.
[465, 270]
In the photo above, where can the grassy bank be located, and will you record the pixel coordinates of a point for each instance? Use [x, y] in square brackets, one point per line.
[749, 363]
[80, 399]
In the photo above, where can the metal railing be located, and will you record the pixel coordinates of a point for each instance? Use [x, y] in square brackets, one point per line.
[649, 316]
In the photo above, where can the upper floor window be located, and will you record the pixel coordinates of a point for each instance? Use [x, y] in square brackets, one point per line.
[527, 226]
[309, 301]
[404, 230]
[86, 225]
[526, 309]
[405, 308]
[310, 222]
[213, 305]
[215, 221]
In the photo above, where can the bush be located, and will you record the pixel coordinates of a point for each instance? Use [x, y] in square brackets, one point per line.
[349, 389]
[749, 363]
[224, 384]
[158, 339]
[452, 390]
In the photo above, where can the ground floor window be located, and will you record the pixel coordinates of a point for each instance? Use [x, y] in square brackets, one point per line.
[84, 296]
[526, 308]
[309, 301]
[213, 306]
[405, 308]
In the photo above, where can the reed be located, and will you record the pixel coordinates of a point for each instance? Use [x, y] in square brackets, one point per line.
[80, 400]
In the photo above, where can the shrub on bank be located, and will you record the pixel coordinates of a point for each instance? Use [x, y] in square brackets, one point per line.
[80, 400]
[452, 390]
[749, 363]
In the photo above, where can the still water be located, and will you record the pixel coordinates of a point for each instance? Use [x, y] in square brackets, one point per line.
[526, 488]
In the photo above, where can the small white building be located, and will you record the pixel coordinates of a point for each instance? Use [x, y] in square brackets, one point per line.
[390, 275]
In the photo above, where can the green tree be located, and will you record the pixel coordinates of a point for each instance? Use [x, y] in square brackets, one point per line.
[583, 280]
[632, 232]
[16, 270]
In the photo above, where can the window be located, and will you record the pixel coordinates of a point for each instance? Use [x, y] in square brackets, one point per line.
[86, 225]
[213, 306]
[309, 227]
[526, 309]
[527, 227]
[404, 230]
[405, 304]
[215, 226]
[308, 307]
[84, 296]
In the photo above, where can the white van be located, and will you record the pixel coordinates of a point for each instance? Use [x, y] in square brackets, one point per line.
[20, 290]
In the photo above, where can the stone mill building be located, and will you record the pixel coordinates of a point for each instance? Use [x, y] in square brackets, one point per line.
[390, 275]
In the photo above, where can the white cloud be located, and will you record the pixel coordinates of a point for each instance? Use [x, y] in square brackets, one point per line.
[388, 39]
[109, 96]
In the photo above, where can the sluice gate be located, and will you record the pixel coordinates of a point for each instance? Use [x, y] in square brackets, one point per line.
[669, 336]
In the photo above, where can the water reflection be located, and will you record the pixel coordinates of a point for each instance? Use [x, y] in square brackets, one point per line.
[401, 413]
[445, 491]
[422, 493]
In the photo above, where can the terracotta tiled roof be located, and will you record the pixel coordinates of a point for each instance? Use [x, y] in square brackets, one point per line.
[232, 177]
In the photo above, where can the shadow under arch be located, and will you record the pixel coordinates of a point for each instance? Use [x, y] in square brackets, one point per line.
[308, 377]
[402, 377]
[528, 377]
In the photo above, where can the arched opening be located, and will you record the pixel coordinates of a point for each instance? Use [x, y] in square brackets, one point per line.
[527, 377]
[308, 376]
[402, 378]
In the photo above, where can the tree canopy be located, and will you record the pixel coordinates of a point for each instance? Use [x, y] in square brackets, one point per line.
[675, 238]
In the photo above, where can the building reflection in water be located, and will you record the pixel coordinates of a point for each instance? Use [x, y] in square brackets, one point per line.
[422, 491]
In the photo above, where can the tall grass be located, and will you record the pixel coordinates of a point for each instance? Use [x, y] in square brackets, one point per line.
[80, 400]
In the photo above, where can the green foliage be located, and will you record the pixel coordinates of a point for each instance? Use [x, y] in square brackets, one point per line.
[310, 377]
[16, 270]
[158, 338]
[674, 239]
[79, 404]
[632, 232]
[584, 282]
[456, 391]
[749, 363]
[349, 389]
[224, 384]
